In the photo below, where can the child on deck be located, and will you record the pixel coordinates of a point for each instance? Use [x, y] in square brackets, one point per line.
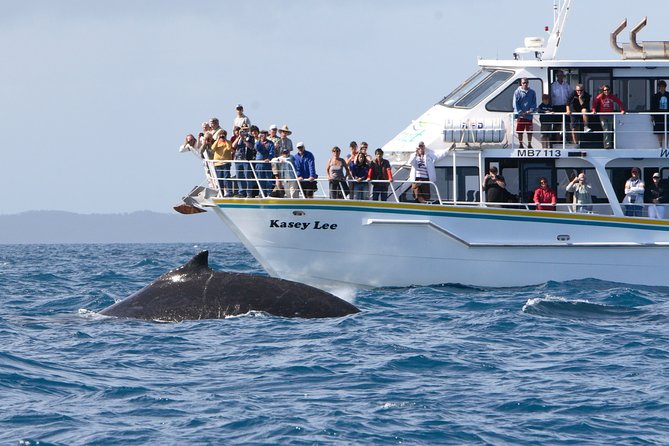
[545, 110]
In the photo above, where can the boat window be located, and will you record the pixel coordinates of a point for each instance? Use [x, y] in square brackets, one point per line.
[468, 183]
[476, 88]
[503, 102]
[635, 93]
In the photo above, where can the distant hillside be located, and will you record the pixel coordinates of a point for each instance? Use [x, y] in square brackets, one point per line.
[136, 227]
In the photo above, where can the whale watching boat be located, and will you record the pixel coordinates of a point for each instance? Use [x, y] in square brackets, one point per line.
[459, 237]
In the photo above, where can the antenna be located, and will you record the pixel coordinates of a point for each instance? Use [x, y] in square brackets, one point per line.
[560, 13]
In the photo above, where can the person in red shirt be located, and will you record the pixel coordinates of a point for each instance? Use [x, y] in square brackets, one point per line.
[605, 103]
[544, 196]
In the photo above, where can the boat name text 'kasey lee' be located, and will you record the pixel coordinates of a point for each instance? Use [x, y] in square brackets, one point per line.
[301, 225]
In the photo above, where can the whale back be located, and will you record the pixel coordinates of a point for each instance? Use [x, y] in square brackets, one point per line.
[195, 291]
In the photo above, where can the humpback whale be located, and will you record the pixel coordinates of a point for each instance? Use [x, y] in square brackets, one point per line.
[195, 291]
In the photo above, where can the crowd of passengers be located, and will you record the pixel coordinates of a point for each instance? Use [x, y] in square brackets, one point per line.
[564, 99]
[279, 172]
[578, 192]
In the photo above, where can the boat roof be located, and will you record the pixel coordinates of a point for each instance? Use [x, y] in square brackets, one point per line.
[525, 63]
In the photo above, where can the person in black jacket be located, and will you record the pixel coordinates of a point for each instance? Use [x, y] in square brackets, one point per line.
[657, 195]
[579, 102]
[660, 103]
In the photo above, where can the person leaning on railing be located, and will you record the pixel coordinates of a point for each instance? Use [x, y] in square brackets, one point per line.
[579, 102]
[305, 168]
[544, 197]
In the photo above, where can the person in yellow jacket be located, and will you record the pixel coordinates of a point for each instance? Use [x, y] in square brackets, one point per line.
[223, 151]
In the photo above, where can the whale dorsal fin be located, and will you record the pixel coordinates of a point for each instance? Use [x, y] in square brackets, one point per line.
[197, 263]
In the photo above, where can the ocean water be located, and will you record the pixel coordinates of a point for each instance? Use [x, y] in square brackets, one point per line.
[573, 363]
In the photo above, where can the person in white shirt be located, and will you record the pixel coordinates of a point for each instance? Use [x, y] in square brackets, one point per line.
[241, 120]
[191, 145]
[422, 169]
[560, 93]
[634, 191]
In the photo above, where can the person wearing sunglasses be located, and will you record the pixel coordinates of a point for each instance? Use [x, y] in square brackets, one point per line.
[579, 102]
[524, 104]
[605, 103]
[544, 196]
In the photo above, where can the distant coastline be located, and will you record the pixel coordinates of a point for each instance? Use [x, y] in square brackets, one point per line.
[136, 227]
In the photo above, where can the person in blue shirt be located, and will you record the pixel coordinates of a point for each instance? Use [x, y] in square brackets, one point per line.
[305, 168]
[264, 154]
[524, 104]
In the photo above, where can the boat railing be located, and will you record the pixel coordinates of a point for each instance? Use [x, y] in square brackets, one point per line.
[264, 187]
[594, 208]
[634, 130]
[277, 179]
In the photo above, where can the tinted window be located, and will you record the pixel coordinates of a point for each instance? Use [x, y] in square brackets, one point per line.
[476, 88]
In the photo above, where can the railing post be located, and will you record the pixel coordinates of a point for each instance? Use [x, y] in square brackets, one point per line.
[564, 130]
[455, 182]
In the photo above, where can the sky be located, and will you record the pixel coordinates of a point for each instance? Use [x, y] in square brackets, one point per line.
[97, 96]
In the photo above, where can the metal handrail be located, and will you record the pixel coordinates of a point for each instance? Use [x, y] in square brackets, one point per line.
[257, 181]
[565, 122]
[630, 209]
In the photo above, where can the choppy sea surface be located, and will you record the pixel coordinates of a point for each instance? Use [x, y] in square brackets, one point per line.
[575, 363]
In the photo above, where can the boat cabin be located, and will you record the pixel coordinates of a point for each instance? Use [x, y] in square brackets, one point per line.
[473, 128]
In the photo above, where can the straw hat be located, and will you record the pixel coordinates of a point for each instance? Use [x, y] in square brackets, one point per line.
[285, 129]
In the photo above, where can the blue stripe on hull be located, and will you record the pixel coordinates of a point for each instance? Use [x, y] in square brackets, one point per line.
[439, 211]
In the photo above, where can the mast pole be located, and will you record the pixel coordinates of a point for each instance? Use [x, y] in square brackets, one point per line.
[560, 14]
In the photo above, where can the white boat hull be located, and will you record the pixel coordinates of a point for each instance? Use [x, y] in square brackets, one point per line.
[371, 244]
